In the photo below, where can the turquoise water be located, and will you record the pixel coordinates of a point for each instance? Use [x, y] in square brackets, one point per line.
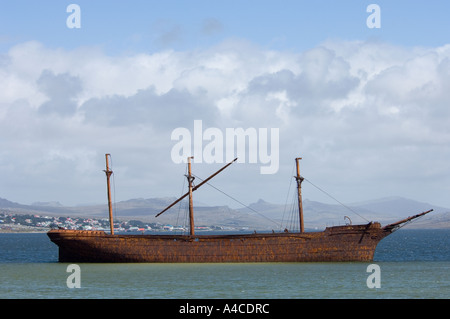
[413, 264]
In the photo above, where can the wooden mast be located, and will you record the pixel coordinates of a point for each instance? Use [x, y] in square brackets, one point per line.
[108, 175]
[299, 190]
[191, 204]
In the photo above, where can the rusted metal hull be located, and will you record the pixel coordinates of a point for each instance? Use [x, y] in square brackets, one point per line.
[334, 244]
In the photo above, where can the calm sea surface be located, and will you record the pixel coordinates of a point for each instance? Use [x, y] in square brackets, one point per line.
[413, 264]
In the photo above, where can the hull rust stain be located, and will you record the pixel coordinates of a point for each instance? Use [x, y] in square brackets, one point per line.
[340, 243]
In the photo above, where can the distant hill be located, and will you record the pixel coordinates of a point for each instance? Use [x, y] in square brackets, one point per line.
[391, 208]
[47, 204]
[259, 215]
[383, 210]
[4, 203]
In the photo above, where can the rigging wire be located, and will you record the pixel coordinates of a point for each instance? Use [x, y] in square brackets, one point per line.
[293, 214]
[236, 200]
[335, 199]
[294, 218]
[179, 206]
[287, 197]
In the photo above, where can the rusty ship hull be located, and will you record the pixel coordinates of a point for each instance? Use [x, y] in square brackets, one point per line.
[334, 244]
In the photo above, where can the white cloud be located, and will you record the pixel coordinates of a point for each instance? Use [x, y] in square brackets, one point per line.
[362, 114]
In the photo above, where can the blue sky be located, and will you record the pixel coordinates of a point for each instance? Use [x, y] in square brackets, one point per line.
[121, 27]
[349, 99]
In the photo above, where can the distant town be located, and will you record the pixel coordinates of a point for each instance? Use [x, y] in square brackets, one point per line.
[12, 222]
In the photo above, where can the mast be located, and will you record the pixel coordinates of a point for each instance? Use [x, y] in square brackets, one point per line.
[108, 175]
[191, 204]
[299, 190]
[196, 187]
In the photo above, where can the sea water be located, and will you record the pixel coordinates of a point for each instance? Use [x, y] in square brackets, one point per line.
[412, 264]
